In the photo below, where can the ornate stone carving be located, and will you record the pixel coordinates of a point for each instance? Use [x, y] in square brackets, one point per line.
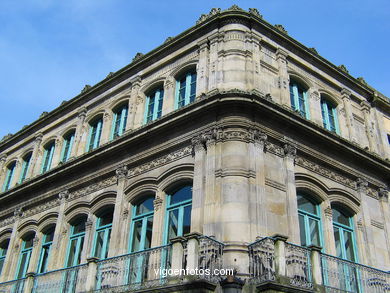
[3, 158]
[360, 225]
[314, 50]
[63, 195]
[274, 149]
[321, 170]
[343, 68]
[281, 28]
[82, 113]
[204, 17]
[168, 39]
[255, 12]
[35, 241]
[176, 155]
[197, 144]
[315, 96]
[290, 151]
[86, 88]
[234, 7]
[383, 194]
[38, 138]
[328, 213]
[345, 93]
[361, 185]
[121, 172]
[5, 137]
[43, 114]
[361, 80]
[88, 224]
[125, 214]
[258, 137]
[18, 212]
[137, 56]
[92, 188]
[45, 206]
[109, 75]
[157, 203]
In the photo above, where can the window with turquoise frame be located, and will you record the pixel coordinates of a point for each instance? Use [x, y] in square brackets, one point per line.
[298, 99]
[178, 213]
[25, 167]
[95, 132]
[47, 241]
[329, 115]
[67, 146]
[185, 89]
[76, 242]
[25, 255]
[3, 253]
[103, 234]
[154, 104]
[119, 121]
[47, 156]
[9, 176]
[141, 225]
[310, 225]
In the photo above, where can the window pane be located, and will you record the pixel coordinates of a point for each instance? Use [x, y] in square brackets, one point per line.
[44, 258]
[145, 206]
[181, 195]
[22, 265]
[348, 244]
[337, 240]
[135, 246]
[72, 252]
[187, 220]
[340, 218]
[173, 224]
[149, 233]
[302, 230]
[106, 219]
[79, 227]
[105, 254]
[1, 264]
[306, 205]
[28, 243]
[99, 244]
[314, 232]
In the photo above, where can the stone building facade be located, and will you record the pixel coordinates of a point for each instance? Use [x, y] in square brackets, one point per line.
[231, 145]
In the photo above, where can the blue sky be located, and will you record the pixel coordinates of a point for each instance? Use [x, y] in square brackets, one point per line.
[50, 49]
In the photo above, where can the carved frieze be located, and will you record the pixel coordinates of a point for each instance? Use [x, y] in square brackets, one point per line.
[290, 151]
[157, 203]
[274, 149]
[92, 188]
[328, 213]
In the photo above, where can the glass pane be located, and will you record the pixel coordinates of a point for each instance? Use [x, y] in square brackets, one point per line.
[99, 244]
[72, 252]
[135, 246]
[181, 195]
[3, 248]
[22, 265]
[173, 224]
[1, 264]
[106, 219]
[28, 243]
[314, 232]
[292, 99]
[337, 240]
[348, 244]
[187, 220]
[340, 218]
[80, 249]
[306, 205]
[108, 243]
[302, 230]
[44, 258]
[49, 236]
[149, 233]
[79, 227]
[145, 206]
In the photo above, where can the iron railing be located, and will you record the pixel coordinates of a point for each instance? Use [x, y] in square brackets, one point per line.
[210, 258]
[298, 267]
[16, 286]
[262, 260]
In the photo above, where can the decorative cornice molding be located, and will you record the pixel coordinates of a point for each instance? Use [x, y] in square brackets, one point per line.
[274, 149]
[235, 172]
[92, 188]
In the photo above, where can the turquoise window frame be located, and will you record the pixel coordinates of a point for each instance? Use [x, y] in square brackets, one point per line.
[180, 206]
[299, 100]
[67, 146]
[328, 111]
[106, 230]
[95, 132]
[307, 216]
[25, 167]
[9, 176]
[350, 228]
[25, 251]
[3, 253]
[48, 157]
[118, 126]
[185, 91]
[79, 238]
[154, 104]
[45, 250]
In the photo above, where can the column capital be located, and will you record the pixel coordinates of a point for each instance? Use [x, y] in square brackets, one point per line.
[35, 241]
[63, 195]
[258, 136]
[281, 54]
[361, 184]
[383, 194]
[121, 172]
[345, 93]
[197, 144]
[82, 113]
[3, 158]
[157, 203]
[290, 151]
[328, 213]
[365, 106]
[136, 82]
[18, 212]
[38, 138]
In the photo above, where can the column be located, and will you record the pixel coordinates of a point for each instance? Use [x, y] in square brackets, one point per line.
[88, 240]
[78, 147]
[3, 159]
[119, 227]
[369, 247]
[291, 193]
[169, 96]
[330, 247]
[369, 128]
[36, 157]
[198, 184]
[58, 248]
[213, 61]
[137, 115]
[345, 95]
[202, 69]
[107, 124]
[57, 152]
[385, 209]
[284, 79]
[158, 218]
[315, 107]
[32, 266]
[12, 255]
[256, 56]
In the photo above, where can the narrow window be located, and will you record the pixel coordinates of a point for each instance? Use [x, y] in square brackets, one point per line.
[45, 250]
[329, 115]
[25, 167]
[76, 242]
[103, 234]
[178, 215]
[185, 89]
[9, 176]
[95, 131]
[25, 255]
[298, 99]
[309, 222]
[154, 103]
[3, 253]
[47, 157]
[119, 121]
[67, 146]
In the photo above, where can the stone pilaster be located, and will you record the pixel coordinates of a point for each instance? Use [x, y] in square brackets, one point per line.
[36, 158]
[203, 68]
[365, 106]
[213, 61]
[346, 97]
[254, 43]
[136, 117]
[169, 96]
[3, 159]
[106, 129]
[81, 132]
[330, 247]
[158, 218]
[291, 193]
[315, 106]
[34, 258]
[284, 80]
[385, 209]
[57, 152]
[88, 240]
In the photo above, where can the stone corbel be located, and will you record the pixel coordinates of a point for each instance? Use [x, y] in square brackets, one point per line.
[361, 185]
[63, 195]
[157, 203]
[383, 194]
[18, 212]
[290, 151]
[121, 172]
[365, 106]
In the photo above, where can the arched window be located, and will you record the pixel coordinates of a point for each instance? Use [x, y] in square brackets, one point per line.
[329, 115]
[25, 255]
[25, 167]
[142, 225]
[47, 241]
[344, 235]
[95, 132]
[178, 214]
[3, 253]
[103, 234]
[298, 99]
[310, 225]
[67, 146]
[47, 156]
[185, 89]
[76, 242]
[154, 103]
[119, 121]
[9, 176]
